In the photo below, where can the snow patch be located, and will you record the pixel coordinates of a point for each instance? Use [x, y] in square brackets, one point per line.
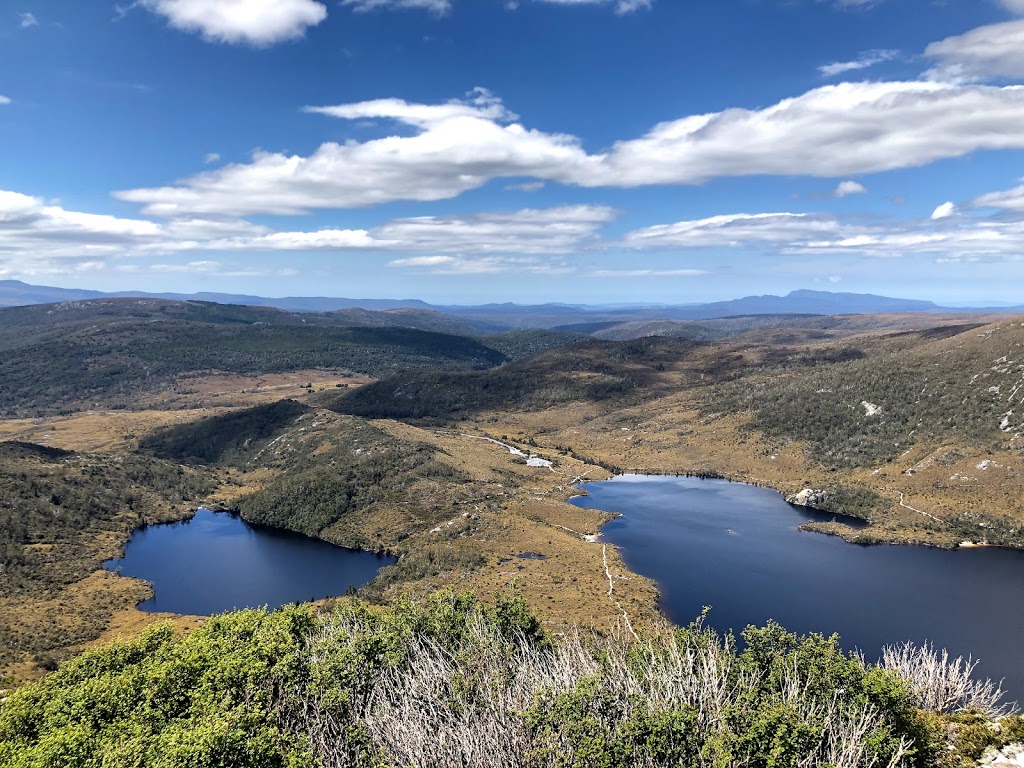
[870, 409]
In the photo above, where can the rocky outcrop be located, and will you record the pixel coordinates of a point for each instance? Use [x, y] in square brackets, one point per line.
[809, 497]
[1010, 756]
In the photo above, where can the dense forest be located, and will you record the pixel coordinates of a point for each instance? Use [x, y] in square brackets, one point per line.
[611, 373]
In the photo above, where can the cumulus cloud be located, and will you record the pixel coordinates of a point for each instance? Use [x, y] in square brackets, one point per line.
[995, 50]
[252, 22]
[31, 219]
[847, 188]
[458, 146]
[832, 131]
[864, 61]
[944, 211]
[838, 130]
[4, 100]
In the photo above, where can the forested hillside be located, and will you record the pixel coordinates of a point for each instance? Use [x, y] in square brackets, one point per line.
[62, 357]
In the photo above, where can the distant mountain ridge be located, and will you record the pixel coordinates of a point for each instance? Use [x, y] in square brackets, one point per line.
[512, 316]
[14, 293]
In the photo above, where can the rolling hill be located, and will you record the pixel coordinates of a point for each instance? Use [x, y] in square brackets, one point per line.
[64, 356]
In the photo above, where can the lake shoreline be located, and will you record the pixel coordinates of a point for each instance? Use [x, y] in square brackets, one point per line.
[750, 562]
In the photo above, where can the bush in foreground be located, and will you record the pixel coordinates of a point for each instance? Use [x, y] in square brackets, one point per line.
[451, 682]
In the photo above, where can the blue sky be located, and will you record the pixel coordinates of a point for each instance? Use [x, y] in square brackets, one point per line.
[542, 150]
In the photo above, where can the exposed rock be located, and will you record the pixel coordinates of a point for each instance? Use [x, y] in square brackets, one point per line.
[809, 497]
[1010, 756]
[870, 409]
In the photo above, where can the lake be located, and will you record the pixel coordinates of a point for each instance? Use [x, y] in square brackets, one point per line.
[737, 548]
[217, 562]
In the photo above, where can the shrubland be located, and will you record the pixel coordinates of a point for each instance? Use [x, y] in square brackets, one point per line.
[451, 681]
[59, 359]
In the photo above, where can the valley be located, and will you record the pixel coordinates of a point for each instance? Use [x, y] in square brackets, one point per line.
[363, 457]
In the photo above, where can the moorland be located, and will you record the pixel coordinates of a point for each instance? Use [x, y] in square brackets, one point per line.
[455, 445]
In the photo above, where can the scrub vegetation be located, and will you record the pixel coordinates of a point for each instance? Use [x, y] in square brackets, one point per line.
[452, 682]
[110, 352]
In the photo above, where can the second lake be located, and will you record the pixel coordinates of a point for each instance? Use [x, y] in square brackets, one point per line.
[737, 548]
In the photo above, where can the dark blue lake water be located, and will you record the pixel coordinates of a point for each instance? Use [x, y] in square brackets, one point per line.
[218, 562]
[737, 548]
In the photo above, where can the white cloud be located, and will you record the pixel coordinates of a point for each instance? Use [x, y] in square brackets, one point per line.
[37, 238]
[459, 146]
[254, 22]
[529, 231]
[944, 211]
[1010, 199]
[996, 50]
[737, 230]
[4, 100]
[551, 230]
[847, 188]
[484, 265]
[437, 6]
[211, 157]
[949, 239]
[833, 131]
[864, 61]
[324, 239]
[621, 6]
[1014, 6]
[839, 130]
[27, 20]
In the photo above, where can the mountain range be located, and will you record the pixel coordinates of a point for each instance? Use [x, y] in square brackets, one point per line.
[497, 316]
